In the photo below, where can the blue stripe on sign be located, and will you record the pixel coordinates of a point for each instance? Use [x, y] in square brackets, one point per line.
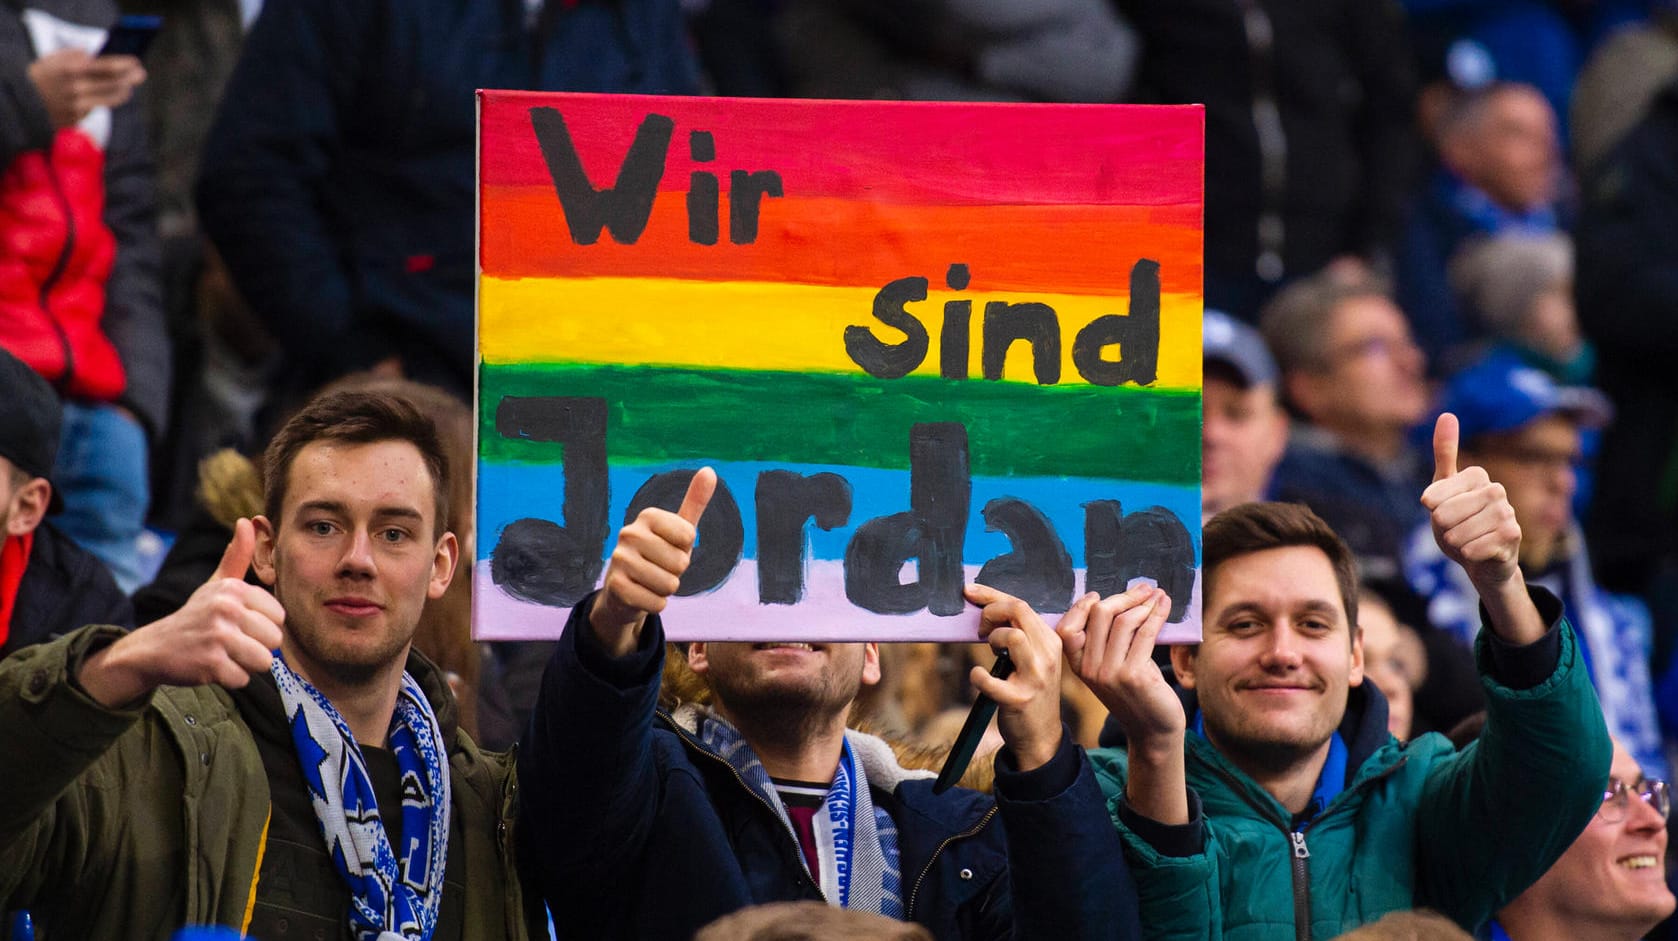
[508, 492]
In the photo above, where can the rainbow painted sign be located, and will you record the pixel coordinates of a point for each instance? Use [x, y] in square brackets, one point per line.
[922, 344]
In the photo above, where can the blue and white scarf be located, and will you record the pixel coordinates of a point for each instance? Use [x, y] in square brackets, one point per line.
[388, 902]
[856, 842]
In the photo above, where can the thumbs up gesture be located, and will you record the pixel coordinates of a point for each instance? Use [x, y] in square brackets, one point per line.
[223, 634]
[1475, 527]
[1472, 519]
[646, 566]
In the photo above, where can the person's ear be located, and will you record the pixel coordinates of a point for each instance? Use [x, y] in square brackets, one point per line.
[442, 566]
[1355, 676]
[697, 661]
[1182, 663]
[262, 562]
[870, 664]
[29, 506]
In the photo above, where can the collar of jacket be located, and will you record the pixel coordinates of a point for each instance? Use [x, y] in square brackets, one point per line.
[896, 787]
[259, 701]
[1363, 728]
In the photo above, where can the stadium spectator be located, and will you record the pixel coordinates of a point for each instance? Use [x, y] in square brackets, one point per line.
[1305, 816]
[1353, 373]
[79, 291]
[1244, 428]
[49, 586]
[653, 823]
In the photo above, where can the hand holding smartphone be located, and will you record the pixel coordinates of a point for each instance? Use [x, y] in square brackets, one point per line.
[132, 35]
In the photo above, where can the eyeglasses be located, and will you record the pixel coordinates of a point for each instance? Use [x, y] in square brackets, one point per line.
[1539, 459]
[1616, 800]
[1384, 346]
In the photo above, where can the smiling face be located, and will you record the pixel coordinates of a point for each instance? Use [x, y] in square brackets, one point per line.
[1612, 881]
[1276, 657]
[353, 558]
[798, 682]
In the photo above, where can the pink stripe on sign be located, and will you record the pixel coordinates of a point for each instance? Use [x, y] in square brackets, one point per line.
[906, 153]
[732, 612]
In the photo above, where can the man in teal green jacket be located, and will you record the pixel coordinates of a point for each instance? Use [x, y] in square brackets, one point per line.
[1276, 804]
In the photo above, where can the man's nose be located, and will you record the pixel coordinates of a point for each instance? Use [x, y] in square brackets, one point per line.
[358, 554]
[1642, 815]
[1282, 649]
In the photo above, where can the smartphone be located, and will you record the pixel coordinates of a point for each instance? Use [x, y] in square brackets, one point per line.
[132, 34]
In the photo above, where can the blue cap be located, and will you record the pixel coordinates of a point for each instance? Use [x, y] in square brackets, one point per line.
[1227, 340]
[1500, 393]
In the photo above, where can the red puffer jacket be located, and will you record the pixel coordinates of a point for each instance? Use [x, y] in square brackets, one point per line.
[55, 258]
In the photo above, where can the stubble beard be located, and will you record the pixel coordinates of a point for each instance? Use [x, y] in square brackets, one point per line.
[780, 716]
[1266, 751]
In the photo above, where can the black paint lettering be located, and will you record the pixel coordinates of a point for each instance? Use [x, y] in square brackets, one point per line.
[1153, 543]
[1033, 322]
[745, 198]
[891, 360]
[1039, 569]
[1137, 336]
[539, 560]
[933, 532]
[784, 501]
[721, 533]
[956, 336]
[624, 209]
[703, 191]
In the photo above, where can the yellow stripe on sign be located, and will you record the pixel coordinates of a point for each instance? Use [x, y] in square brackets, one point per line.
[772, 326]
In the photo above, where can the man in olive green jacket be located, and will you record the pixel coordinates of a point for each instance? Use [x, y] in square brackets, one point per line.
[1288, 810]
[175, 775]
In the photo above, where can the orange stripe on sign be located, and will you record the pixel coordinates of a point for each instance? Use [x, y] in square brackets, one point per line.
[1055, 249]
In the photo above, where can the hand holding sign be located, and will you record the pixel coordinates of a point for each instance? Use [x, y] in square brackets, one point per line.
[1110, 644]
[1028, 701]
[646, 566]
[1475, 527]
[223, 634]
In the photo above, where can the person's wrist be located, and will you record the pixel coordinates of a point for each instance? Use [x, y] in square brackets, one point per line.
[1156, 748]
[1036, 749]
[616, 633]
[110, 676]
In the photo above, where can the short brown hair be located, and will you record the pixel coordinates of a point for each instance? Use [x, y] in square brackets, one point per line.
[1296, 321]
[1254, 527]
[355, 417]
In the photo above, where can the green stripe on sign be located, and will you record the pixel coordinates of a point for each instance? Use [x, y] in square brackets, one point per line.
[1013, 429]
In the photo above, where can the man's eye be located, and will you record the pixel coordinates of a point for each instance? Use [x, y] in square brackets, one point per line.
[320, 528]
[393, 535]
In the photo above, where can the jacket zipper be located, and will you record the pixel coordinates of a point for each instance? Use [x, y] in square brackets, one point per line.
[701, 749]
[1301, 886]
[58, 267]
[1301, 854]
[909, 910]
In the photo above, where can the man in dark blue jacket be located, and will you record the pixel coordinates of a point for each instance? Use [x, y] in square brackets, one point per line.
[338, 180]
[646, 824]
[49, 585]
